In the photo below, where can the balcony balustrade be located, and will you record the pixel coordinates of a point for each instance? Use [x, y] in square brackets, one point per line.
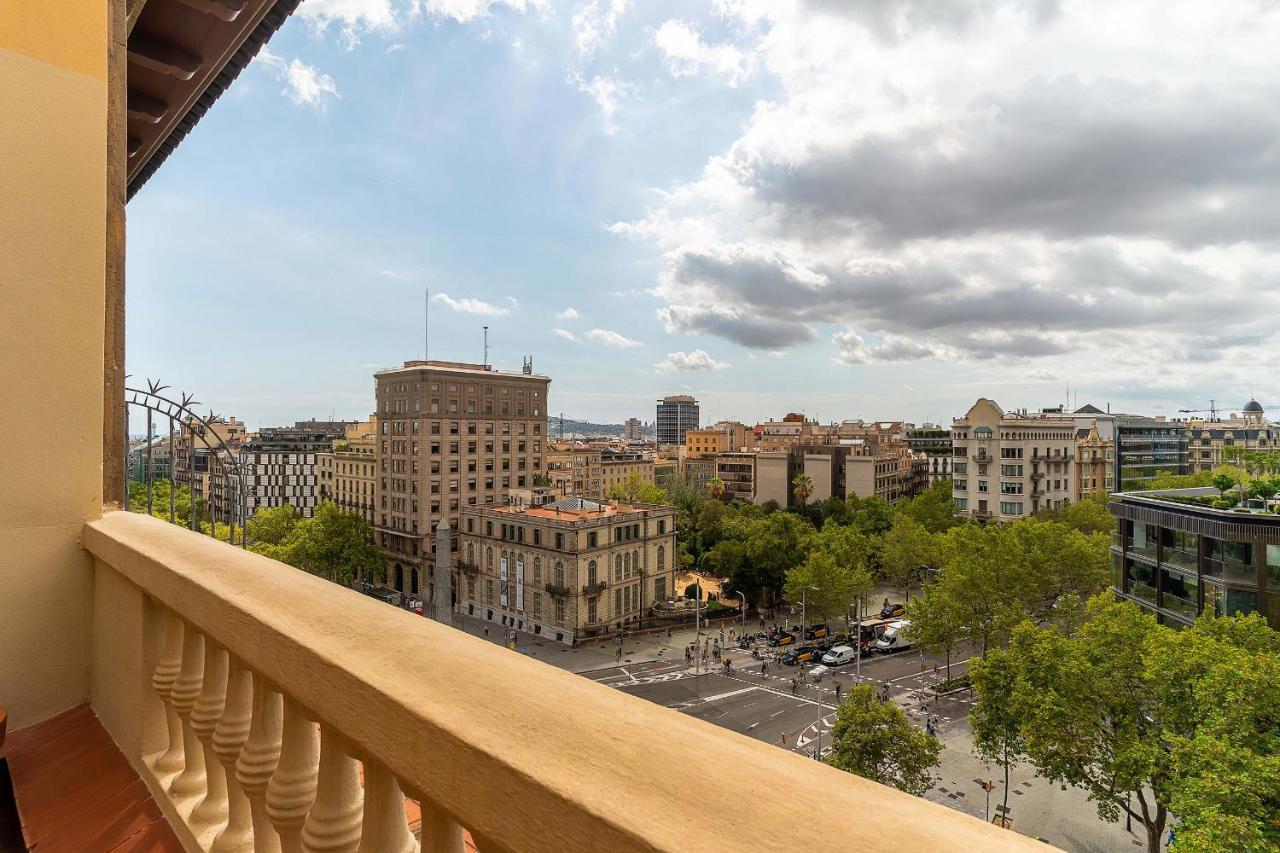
[594, 588]
[270, 710]
[558, 589]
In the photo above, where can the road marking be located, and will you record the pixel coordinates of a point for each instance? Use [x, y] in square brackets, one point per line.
[783, 711]
[720, 696]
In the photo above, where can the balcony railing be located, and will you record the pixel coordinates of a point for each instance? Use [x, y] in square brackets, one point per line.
[253, 699]
[594, 588]
[558, 589]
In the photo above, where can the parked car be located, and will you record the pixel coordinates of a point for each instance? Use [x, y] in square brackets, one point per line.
[816, 632]
[839, 656]
[804, 654]
[891, 610]
[895, 638]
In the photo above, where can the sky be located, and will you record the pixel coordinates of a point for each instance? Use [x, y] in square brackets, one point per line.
[877, 210]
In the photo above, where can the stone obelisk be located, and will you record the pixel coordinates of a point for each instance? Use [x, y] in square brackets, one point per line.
[442, 587]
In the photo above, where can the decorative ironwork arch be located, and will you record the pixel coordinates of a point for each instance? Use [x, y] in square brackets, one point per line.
[231, 470]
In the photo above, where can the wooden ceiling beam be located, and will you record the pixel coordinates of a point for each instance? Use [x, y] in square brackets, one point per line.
[162, 57]
[134, 144]
[146, 108]
[226, 10]
[133, 9]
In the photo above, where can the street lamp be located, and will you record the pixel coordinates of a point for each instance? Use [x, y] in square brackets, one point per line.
[743, 612]
[804, 596]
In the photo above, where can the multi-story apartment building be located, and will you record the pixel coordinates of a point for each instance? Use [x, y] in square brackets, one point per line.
[632, 430]
[347, 474]
[792, 431]
[574, 469]
[697, 471]
[934, 443]
[198, 450]
[280, 464]
[567, 570]
[1095, 464]
[677, 415]
[861, 467]
[1009, 465]
[618, 466]
[723, 437]
[738, 473]
[1180, 559]
[452, 435]
[1209, 439]
[150, 460]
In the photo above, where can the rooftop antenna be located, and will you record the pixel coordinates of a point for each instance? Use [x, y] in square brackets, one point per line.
[486, 346]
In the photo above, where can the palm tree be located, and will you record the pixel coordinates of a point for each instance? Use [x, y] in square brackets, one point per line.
[715, 488]
[803, 488]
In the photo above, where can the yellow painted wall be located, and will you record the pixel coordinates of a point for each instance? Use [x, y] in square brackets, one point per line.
[53, 119]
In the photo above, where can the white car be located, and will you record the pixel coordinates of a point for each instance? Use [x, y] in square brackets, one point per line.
[839, 655]
[819, 671]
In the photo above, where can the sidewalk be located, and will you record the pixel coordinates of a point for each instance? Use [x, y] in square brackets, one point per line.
[599, 654]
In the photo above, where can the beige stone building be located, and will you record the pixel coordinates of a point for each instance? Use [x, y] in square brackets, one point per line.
[1008, 465]
[571, 569]
[793, 430]
[1095, 463]
[618, 466]
[451, 435]
[723, 437]
[738, 473]
[574, 469]
[1248, 430]
[347, 474]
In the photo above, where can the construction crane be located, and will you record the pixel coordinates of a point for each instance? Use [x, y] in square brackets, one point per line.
[1212, 410]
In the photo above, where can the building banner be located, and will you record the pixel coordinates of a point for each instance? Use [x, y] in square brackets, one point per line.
[520, 584]
[503, 582]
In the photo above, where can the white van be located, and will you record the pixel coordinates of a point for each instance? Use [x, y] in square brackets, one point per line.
[839, 655]
[895, 638]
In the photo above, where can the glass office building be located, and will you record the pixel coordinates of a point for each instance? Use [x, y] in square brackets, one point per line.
[1180, 560]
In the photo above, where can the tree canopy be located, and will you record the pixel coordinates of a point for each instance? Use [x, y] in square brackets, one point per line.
[875, 740]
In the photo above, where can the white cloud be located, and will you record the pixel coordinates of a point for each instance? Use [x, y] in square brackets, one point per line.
[569, 313]
[608, 337]
[979, 183]
[395, 47]
[681, 362]
[595, 24]
[467, 305]
[305, 85]
[606, 92]
[354, 18]
[515, 303]
[686, 54]
[566, 334]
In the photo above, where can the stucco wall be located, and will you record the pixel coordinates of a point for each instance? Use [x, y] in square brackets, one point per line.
[53, 100]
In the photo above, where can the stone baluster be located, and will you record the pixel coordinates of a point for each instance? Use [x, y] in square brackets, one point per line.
[212, 810]
[191, 781]
[229, 738]
[292, 789]
[385, 828]
[334, 823]
[440, 832]
[167, 670]
[258, 761]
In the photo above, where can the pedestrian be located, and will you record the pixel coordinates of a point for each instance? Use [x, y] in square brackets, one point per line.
[795, 687]
[619, 654]
[838, 692]
[784, 738]
[668, 635]
[764, 668]
[928, 727]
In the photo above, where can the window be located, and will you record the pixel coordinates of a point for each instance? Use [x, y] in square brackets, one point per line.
[662, 557]
[1010, 470]
[1010, 488]
[1011, 453]
[559, 611]
[537, 570]
[960, 485]
[982, 485]
[592, 539]
[1011, 508]
[660, 589]
[592, 570]
[559, 574]
[662, 526]
[960, 468]
[617, 568]
[961, 503]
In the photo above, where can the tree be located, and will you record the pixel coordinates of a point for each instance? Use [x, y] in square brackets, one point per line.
[272, 525]
[541, 481]
[160, 490]
[1060, 562]
[1090, 515]
[875, 740]
[1223, 482]
[802, 487]
[985, 573]
[635, 489]
[905, 550]
[773, 544]
[934, 509]
[871, 516]
[997, 735]
[715, 488]
[937, 623]
[335, 545]
[832, 585]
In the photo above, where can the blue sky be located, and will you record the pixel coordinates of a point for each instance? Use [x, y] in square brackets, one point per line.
[853, 210]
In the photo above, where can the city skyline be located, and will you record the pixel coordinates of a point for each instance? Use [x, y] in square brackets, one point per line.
[696, 198]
